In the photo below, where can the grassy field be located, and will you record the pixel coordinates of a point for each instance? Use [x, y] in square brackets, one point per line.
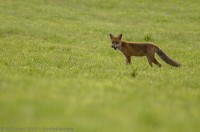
[57, 68]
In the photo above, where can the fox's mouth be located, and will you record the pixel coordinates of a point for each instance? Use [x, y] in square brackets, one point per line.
[114, 47]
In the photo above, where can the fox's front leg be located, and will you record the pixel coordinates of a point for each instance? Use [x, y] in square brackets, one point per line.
[128, 60]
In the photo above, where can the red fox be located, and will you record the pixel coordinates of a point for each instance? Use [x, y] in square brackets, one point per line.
[141, 49]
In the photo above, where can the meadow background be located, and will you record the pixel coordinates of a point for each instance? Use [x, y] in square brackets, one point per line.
[57, 68]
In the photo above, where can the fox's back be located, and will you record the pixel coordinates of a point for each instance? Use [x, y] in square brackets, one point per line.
[138, 48]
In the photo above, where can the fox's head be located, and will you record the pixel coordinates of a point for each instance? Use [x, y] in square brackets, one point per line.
[116, 41]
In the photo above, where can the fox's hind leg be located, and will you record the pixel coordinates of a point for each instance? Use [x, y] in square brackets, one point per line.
[153, 59]
[156, 62]
[149, 60]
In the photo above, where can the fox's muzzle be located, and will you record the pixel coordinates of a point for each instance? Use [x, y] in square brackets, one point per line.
[114, 46]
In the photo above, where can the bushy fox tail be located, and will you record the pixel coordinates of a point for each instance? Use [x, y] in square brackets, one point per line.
[166, 58]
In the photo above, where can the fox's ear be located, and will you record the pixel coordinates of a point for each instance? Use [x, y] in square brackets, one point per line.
[120, 36]
[111, 36]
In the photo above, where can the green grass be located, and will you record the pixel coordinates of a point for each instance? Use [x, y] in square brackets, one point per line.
[57, 68]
